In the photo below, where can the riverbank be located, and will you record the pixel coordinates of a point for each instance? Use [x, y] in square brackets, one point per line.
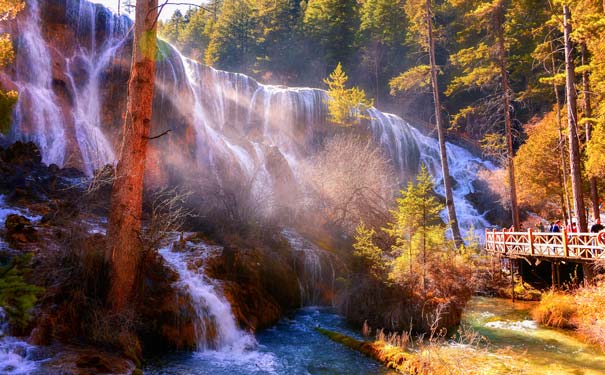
[497, 337]
[580, 310]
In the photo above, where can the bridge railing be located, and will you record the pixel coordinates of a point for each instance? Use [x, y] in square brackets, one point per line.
[567, 245]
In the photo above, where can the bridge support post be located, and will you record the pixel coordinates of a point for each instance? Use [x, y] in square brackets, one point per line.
[553, 275]
[512, 278]
[587, 273]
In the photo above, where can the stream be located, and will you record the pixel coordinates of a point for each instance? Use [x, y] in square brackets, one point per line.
[517, 345]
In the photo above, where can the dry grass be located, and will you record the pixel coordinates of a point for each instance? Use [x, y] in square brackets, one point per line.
[468, 355]
[556, 309]
[590, 314]
[581, 309]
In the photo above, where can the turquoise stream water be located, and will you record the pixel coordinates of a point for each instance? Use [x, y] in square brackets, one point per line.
[516, 345]
[291, 347]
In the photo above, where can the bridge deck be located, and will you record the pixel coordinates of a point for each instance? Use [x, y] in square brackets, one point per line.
[563, 245]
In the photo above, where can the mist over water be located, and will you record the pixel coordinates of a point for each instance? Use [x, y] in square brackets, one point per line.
[222, 123]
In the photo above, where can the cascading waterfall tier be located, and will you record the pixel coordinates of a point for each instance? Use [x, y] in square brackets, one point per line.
[216, 327]
[73, 79]
[316, 271]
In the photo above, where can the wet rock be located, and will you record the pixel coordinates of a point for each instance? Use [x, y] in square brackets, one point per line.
[19, 229]
[22, 154]
[167, 313]
[88, 362]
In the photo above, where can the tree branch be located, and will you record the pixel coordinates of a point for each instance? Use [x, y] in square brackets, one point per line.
[159, 135]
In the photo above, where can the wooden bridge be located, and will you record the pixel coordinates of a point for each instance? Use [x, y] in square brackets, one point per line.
[580, 247]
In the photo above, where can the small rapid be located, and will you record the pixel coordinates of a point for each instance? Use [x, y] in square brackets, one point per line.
[216, 327]
[518, 345]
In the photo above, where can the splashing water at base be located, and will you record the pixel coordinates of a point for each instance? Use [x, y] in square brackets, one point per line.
[216, 327]
[14, 353]
[292, 347]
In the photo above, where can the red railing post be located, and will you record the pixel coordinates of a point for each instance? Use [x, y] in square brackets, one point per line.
[530, 238]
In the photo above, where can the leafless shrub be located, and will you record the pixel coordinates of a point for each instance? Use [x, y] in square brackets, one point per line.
[349, 181]
[401, 340]
[168, 213]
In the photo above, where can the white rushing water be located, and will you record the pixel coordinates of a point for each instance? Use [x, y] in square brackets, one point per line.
[219, 338]
[38, 116]
[14, 353]
[216, 327]
[316, 273]
[236, 121]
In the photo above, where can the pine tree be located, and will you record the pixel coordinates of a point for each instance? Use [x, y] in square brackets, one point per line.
[420, 14]
[572, 124]
[233, 37]
[365, 248]
[346, 106]
[331, 25]
[416, 228]
[485, 66]
[381, 31]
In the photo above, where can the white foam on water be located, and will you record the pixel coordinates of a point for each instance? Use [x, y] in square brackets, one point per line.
[14, 353]
[523, 325]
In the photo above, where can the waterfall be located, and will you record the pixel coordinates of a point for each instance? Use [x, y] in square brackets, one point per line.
[225, 124]
[38, 116]
[216, 327]
[14, 353]
[315, 270]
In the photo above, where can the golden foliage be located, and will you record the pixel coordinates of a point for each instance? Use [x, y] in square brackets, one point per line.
[538, 162]
[581, 309]
[346, 107]
[417, 78]
[10, 8]
[556, 309]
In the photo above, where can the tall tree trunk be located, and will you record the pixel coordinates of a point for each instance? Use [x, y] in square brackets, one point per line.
[377, 61]
[567, 204]
[594, 192]
[445, 169]
[507, 119]
[572, 116]
[124, 227]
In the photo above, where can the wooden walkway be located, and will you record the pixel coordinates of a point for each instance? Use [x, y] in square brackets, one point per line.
[563, 245]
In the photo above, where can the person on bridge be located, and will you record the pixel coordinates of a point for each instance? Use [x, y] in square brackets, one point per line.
[597, 227]
[556, 227]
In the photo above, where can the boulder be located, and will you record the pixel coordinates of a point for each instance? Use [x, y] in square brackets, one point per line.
[76, 361]
[19, 229]
[22, 154]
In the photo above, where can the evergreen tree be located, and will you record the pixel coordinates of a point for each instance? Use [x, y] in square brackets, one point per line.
[381, 31]
[485, 67]
[416, 228]
[233, 37]
[420, 14]
[372, 256]
[346, 106]
[330, 25]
